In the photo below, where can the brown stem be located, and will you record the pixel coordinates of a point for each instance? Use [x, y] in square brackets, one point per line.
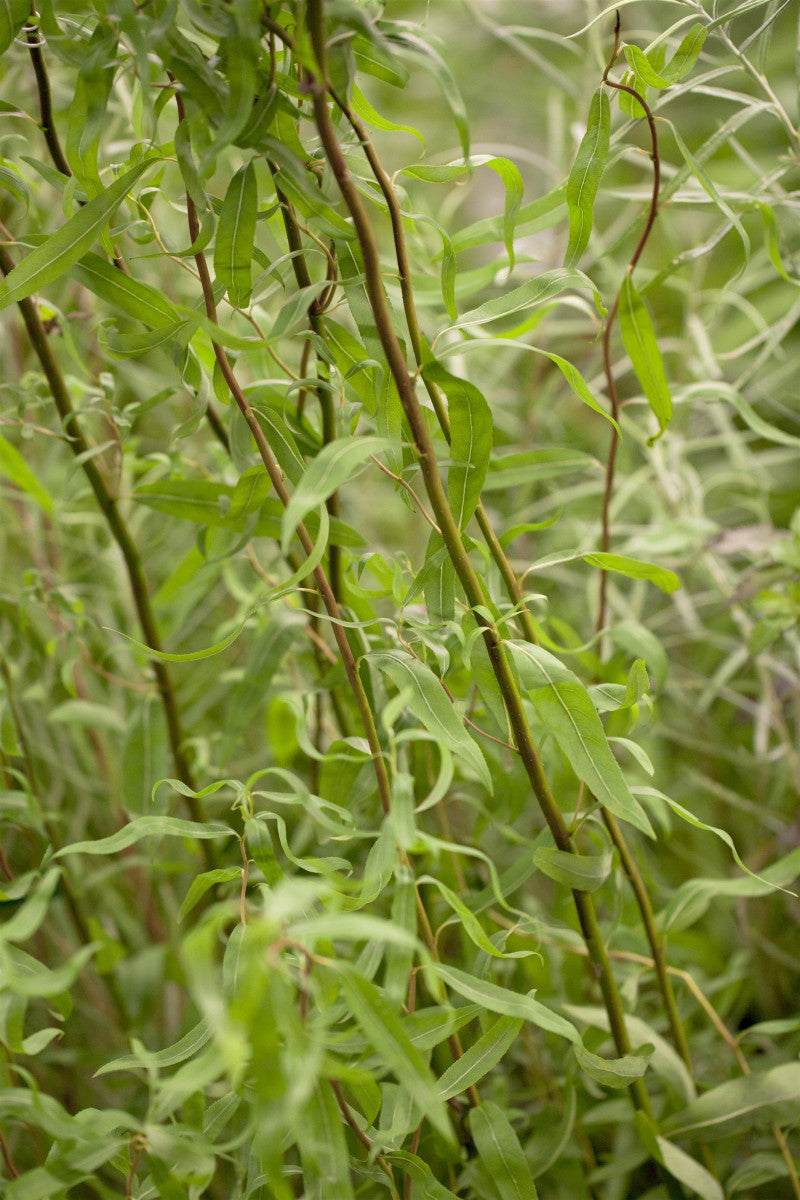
[79, 922]
[119, 532]
[324, 399]
[276, 478]
[317, 87]
[7, 1159]
[611, 383]
[45, 99]
[366, 1141]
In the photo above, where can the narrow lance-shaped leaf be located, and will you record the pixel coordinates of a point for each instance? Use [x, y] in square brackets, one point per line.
[501, 1153]
[385, 1031]
[14, 467]
[536, 291]
[429, 702]
[236, 231]
[362, 107]
[505, 1002]
[335, 464]
[323, 1148]
[707, 183]
[612, 1072]
[470, 444]
[582, 872]
[88, 109]
[138, 300]
[761, 1098]
[61, 250]
[680, 65]
[481, 1056]
[13, 15]
[676, 1161]
[143, 827]
[566, 710]
[640, 342]
[634, 568]
[585, 176]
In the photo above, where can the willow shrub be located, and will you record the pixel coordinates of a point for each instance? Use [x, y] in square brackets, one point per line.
[399, 632]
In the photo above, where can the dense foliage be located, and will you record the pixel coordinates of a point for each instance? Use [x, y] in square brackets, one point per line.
[399, 618]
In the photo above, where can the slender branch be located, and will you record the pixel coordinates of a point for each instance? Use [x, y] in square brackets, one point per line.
[409, 307]
[405, 484]
[119, 532]
[365, 1140]
[611, 383]
[656, 945]
[451, 535]
[45, 99]
[79, 922]
[324, 398]
[276, 479]
[7, 1159]
[701, 998]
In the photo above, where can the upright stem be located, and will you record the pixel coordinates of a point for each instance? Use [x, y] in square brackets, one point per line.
[611, 383]
[79, 921]
[119, 532]
[276, 479]
[324, 399]
[451, 535]
[45, 100]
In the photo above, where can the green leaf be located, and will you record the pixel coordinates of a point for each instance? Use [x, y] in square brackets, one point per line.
[508, 172]
[691, 819]
[471, 441]
[27, 919]
[323, 1148]
[14, 467]
[185, 1048]
[501, 1153]
[142, 827]
[679, 66]
[480, 1057]
[502, 1000]
[663, 578]
[337, 463]
[585, 176]
[87, 713]
[236, 231]
[760, 1168]
[640, 342]
[691, 900]
[61, 250]
[430, 704]
[566, 710]
[385, 1031]
[535, 291]
[87, 113]
[433, 62]
[762, 1098]
[644, 70]
[362, 107]
[13, 15]
[469, 922]
[679, 1164]
[611, 1072]
[664, 1060]
[202, 883]
[421, 1173]
[686, 55]
[138, 300]
[707, 183]
[581, 872]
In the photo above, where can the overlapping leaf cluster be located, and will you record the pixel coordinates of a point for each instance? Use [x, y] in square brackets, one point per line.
[323, 785]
